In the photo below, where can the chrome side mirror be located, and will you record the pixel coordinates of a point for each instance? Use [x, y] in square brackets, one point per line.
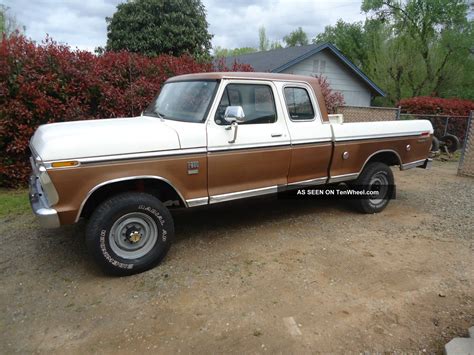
[234, 114]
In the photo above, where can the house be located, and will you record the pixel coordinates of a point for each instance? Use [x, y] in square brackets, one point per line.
[316, 59]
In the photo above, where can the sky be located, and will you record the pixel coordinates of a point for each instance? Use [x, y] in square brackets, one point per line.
[234, 23]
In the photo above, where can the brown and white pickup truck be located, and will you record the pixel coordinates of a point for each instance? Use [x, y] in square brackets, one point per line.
[206, 138]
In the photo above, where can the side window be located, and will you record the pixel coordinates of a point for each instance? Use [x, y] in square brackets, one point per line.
[257, 102]
[298, 104]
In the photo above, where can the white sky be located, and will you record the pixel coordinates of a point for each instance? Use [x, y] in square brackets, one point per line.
[235, 23]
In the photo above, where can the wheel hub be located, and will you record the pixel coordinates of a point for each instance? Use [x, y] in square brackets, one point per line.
[134, 237]
[379, 182]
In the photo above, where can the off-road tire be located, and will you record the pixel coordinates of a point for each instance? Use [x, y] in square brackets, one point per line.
[451, 142]
[109, 236]
[373, 171]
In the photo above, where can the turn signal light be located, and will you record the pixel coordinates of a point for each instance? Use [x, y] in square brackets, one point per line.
[423, 134]
[64, 164]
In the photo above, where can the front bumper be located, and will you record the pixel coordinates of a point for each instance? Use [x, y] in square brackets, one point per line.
[46, 216]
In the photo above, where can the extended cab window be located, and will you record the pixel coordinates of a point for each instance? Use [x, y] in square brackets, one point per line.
[298, 104]
[257, 102]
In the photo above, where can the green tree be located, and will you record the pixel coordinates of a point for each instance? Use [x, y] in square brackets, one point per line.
[8, 23]
[275, 45]
[296, 38]
[264, 42]
[410, 48]
[349, 38]
[155, 27]
[225, 52]
[427, 46]
[3, 19]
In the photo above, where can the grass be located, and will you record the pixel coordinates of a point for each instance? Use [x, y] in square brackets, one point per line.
[13, 202]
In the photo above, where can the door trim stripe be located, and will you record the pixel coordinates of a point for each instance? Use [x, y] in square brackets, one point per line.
[243, 194]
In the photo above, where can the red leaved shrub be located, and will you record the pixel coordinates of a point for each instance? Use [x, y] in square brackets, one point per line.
[49, 82]
[436, 106]
[333, 99]
[453, 112]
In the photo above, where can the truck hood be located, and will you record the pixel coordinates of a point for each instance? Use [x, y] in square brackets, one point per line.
[92, 138]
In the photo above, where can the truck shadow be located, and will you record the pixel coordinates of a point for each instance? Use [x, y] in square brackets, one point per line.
[248, 213]
[65, 253]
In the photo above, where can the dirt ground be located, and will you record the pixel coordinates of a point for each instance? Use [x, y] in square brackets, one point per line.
[257, 276]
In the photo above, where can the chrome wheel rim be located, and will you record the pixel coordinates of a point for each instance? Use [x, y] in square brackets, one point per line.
[133, 235]
[379, 182]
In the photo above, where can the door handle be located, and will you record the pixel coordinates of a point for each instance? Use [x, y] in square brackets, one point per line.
[234, 126]
[276, 134]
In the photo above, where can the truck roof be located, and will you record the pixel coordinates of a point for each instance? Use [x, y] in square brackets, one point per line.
[312, 81]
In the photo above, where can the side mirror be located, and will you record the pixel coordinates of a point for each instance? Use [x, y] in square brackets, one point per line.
[234, 114]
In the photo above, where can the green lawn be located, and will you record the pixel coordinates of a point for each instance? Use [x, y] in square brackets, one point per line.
[13, 202]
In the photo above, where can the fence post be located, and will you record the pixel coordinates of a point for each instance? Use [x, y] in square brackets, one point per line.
[464, 145]
[446, 126]
[398, 112]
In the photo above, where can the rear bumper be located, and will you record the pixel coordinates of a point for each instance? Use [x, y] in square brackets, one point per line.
[46, 216]
[424, 164]
[427, 164]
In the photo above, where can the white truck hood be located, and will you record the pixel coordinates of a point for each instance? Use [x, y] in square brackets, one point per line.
[104, 137]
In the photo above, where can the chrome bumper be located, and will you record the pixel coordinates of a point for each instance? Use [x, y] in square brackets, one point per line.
[46, 216]
[427, 164]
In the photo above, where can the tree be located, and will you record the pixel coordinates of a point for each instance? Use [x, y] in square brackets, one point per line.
[275, 45]
[429, 42]
[264, 42]
[153, 27]
[8, 23]
[410, 48]
[225, 52]
[296, 38]
[349, 38]
[3, 25]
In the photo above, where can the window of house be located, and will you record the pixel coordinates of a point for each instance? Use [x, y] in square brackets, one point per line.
[298, 104]
[256, 100]
[319, 66]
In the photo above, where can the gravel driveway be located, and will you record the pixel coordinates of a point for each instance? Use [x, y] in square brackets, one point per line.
[257, 276]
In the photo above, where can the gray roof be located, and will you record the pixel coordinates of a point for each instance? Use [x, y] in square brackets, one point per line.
[270, 60]
[277, 60]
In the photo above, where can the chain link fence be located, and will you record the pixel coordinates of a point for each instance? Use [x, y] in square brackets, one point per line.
[466, 163]
[460, 126]
[443, 124]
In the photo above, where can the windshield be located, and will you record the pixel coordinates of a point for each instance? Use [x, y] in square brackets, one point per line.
[186, 101]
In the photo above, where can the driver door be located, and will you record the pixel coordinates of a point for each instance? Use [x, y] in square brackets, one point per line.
[258, 160]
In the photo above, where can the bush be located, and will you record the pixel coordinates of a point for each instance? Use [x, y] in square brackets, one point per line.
[436, 106]
[51, 83]
[456, 109]
[332, 99]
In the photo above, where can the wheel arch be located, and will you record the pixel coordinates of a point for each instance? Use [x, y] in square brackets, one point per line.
[387, 156]
[157, 185]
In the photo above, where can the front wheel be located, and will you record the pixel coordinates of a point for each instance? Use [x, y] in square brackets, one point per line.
[129, 233]
[375, 176]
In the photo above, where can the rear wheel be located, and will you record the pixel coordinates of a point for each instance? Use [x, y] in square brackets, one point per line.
[129, 233]
[375, 176]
